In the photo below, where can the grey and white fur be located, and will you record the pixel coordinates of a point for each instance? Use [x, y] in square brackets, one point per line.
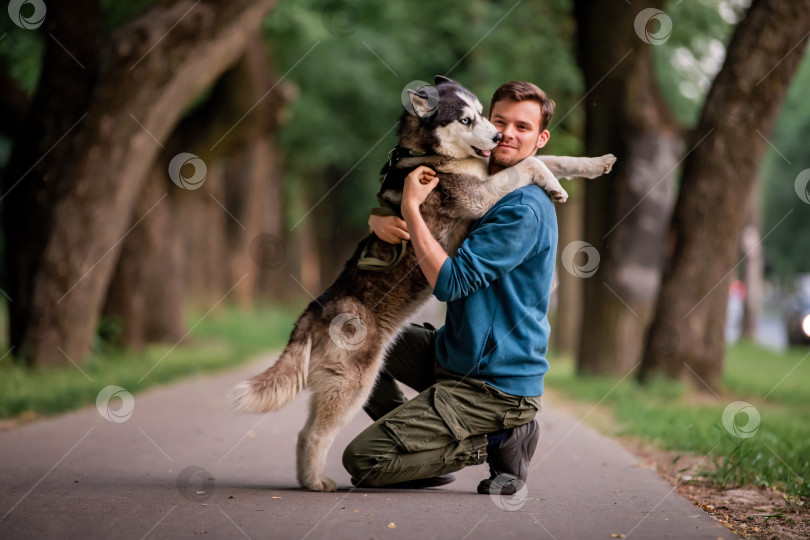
[338, 344]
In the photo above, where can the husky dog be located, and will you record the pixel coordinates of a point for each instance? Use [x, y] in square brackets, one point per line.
[338, 344]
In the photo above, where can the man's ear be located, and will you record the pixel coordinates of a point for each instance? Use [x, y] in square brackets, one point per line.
[420, 103]
[543, 138]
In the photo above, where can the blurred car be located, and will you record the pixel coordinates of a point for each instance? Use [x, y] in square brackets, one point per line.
[797, 314]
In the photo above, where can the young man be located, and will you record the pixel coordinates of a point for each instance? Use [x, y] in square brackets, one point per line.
[481, 375]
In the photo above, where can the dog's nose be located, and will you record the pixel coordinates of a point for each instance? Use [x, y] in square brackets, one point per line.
[498, 137]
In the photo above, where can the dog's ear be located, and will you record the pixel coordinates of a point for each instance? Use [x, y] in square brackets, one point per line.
[421, 103]
[441, 79]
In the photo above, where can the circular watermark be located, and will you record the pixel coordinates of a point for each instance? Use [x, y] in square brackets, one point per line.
[420, 98]
[195, 484]
[802, 186]
[666, 341]
[348, 331]
[38, 327]
[117, 415]
[591, 264]
[34, 16]
[504, 182]
[647, 17]
[340, 18]
[180, 164]
[730, 417]
[267, 251]
[508, 492]
[737, 107]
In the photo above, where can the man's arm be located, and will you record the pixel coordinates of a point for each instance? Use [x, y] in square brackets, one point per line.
[418, 185]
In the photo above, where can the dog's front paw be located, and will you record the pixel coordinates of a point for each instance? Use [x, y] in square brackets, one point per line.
[558, 196]
[322, 484]
[607, 162]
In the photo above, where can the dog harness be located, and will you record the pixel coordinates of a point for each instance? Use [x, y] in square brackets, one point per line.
[387, 208]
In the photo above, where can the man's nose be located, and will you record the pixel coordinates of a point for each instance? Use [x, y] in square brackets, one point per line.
[498, 137]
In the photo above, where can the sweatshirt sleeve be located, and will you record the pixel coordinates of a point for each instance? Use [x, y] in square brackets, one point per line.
[506, 238]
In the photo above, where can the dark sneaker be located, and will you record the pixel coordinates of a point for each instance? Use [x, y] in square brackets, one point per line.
[509, 460]
[419, 483]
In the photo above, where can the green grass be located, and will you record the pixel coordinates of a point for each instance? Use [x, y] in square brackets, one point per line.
[224, 339]
[680, 419]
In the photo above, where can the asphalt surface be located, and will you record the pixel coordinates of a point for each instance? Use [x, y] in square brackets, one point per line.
[181, 467]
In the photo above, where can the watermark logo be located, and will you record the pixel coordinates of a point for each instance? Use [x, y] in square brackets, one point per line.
[38, 327]
[195, 484]
[733, 426]
[340, 18]
[648, 17]
[34, 13]
[504, 181]
[508, 492]
[570, 253]
[666, 341]
[180, 164]
[120, 414]
[424, 101]
[348, 331]
[267, 251]
[802, 186]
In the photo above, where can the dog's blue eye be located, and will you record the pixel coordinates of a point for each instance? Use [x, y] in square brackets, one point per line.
[465, 121]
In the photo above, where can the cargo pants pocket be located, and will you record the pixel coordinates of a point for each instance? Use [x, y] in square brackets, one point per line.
[522, 413]
[429, 421]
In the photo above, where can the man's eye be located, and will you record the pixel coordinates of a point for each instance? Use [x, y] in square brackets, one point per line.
[465, 121]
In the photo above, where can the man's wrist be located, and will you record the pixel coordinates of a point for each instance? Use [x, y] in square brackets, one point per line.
[409, 210]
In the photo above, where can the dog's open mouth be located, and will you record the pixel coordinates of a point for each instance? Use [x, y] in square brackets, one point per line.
[482, 153]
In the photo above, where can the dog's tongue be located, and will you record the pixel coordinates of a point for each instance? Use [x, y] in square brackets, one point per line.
[485, 153]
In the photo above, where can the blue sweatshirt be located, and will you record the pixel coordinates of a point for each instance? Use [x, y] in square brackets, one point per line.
[497, 290]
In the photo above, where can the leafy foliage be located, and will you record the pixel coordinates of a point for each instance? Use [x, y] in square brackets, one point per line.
[688, 61]
[366, 52]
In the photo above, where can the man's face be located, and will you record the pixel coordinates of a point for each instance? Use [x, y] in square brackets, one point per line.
[519, 121]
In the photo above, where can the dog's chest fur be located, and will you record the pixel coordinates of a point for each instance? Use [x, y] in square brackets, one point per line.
[444, 209]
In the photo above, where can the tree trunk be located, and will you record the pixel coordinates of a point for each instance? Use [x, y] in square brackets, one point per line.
[568, 316]
[204, 247]
[33, 180]
[751, 249]
[145, 296]
[715, 194]
[155, 66]
[626, 213]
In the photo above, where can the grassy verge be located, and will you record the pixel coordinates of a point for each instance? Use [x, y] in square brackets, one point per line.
[222, 340]
[675, 418]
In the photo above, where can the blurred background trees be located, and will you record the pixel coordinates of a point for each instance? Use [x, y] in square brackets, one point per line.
[291, 106]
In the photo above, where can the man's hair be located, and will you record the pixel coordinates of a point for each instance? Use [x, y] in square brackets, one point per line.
[525, 91]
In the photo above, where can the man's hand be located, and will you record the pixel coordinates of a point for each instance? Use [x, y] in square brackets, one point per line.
[418, 185]
[390, 229]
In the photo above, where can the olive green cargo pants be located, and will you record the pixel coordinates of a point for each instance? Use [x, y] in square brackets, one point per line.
[441, 430]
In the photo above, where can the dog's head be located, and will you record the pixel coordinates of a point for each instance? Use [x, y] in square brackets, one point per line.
[447, 119]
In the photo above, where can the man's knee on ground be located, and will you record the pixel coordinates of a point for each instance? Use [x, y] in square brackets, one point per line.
[356, 461]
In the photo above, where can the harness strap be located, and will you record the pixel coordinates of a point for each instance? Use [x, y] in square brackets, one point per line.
[378, 265]
[387, 208]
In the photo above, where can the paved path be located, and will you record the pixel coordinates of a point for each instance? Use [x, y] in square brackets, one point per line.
[81, 476]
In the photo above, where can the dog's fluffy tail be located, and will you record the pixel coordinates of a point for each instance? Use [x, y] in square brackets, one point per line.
[277, 385]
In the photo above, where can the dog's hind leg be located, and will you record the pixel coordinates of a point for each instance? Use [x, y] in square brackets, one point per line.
[334, 401]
